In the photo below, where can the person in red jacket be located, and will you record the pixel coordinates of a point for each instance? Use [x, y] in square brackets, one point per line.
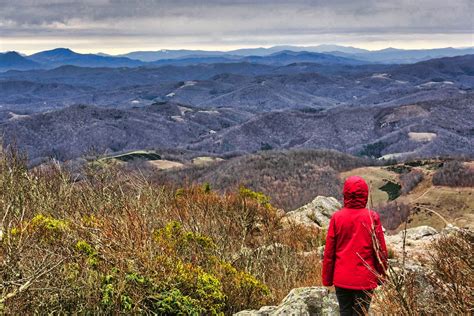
[355, 256]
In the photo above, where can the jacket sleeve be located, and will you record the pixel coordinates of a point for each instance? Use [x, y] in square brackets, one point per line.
[329, 254]
[381, 262]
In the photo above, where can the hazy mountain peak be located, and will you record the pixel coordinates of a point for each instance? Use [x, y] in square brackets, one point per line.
[390, 49]
[327, 48]
[12, 54]
[56, 51]
[13, 60]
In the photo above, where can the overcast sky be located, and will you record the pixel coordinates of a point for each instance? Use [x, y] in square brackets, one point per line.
[118, 26]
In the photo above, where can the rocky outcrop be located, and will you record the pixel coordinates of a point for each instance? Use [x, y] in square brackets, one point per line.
[412, 234]
[305, 301]
[315, 214]
[416, 245]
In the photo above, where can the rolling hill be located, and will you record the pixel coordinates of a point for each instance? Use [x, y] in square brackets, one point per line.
[277, 55]
[387, 56]
[63, 56]
[425, 129]
[253, 87]
[355, 130]
[424, 109]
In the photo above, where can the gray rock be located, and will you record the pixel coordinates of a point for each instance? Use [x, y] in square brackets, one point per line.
[420, 232]
[300, 301]
[317, 213]
[450, 229]
[264, 311]
[416, 245]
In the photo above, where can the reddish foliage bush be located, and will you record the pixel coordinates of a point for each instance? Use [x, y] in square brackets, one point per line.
[114, 242]
[410, 180]
[393, 213]
[454, 174]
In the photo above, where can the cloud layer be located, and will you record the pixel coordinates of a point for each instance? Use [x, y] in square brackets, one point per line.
[122, 24]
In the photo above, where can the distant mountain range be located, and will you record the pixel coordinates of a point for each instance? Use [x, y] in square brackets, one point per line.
[400, 56]
[247, 86]
[281, 58]
[422, 109]
[277, 55]
[63, 56]
[66, 57]
[13, 60]
[60, 57]
[387, 56]
[175, 54]
[433, 128]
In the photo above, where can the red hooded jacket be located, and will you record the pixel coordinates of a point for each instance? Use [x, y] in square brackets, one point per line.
[355, 256]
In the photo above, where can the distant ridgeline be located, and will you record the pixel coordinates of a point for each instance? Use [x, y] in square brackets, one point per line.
[274, 55]
[237, 104]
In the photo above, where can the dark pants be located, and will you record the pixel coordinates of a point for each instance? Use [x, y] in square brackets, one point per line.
[353, 302]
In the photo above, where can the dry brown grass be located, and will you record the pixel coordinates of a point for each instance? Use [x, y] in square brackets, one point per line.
[455, 204]
[442, 285]
[110, 241]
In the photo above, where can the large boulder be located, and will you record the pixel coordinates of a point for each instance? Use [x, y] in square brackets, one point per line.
[304, 301]
[420, 232]
[411, 245]
[317, 213]
[413, 234]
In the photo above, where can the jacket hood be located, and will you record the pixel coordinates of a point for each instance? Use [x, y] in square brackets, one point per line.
[356, 192]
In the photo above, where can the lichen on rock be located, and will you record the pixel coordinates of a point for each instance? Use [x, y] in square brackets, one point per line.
[305, 301]
[316, 214]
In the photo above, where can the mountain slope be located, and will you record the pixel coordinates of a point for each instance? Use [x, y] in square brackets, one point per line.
[438, 69]
[424, 129]
[250, 87]
[28, 93]
[63, 56]
[289, 57]
[74, 131]
[13, 60]
[389, 55]
[388, 130]
[454, 204]
[401, 56]
[291, 178]
[122, 77]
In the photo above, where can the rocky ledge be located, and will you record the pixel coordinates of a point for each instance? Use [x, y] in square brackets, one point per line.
[304, 301]
[316, 214]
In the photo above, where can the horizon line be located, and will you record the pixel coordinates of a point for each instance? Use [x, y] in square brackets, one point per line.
[82, 51]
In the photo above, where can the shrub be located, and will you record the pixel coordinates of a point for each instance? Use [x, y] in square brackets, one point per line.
[393, 190]
[115, 242]
[410, 180]
[390, 253]
[393, 213]
[373, 150]
[442, 287]
[266, 146]
[452, 277]
[175, 303]
[400, 169]
[454, 174]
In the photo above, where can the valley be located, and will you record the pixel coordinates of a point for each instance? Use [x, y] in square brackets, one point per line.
[377, 110]
[244, 158]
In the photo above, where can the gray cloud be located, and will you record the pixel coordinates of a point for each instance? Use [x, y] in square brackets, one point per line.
[220, 22]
